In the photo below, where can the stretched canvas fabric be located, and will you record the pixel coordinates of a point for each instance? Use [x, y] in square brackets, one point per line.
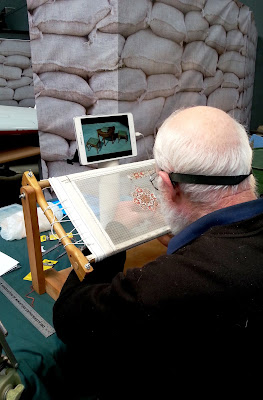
[95, 199]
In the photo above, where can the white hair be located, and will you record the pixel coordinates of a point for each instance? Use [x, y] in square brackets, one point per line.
[176, 152]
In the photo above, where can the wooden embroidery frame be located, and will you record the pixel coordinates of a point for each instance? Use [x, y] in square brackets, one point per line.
[49, 281]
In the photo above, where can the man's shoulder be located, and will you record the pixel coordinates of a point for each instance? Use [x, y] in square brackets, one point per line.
[247, 216]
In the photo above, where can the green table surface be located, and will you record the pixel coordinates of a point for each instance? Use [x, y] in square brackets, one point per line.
[43, 364]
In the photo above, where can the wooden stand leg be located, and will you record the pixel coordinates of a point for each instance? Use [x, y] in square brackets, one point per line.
[55, 280]
[33, 238]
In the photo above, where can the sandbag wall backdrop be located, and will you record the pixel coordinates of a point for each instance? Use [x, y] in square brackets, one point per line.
[16, 76]
[141, 56]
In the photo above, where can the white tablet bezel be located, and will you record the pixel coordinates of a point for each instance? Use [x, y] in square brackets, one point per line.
[83, 159]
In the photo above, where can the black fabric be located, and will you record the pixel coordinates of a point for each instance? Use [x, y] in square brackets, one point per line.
[190, 322]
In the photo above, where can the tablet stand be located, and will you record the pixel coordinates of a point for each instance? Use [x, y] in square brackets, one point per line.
[103, 205]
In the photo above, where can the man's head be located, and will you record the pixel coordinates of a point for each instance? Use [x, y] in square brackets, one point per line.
[201, 141]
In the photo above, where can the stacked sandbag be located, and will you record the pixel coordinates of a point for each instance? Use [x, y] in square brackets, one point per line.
[236, 58]
[16, 76]
[146, 57]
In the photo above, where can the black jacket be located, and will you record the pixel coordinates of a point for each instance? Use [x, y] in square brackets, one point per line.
[179, 316]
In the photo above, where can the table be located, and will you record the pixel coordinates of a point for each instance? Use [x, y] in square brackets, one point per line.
[18, 144]
[122, 135]
[93, 142]
[107, 132]
[18, 154]
[43, 362]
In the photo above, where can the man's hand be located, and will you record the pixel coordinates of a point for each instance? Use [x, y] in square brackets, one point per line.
[130, 214]
[165, 239]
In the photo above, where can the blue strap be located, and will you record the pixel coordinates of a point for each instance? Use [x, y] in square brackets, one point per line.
[224, 216]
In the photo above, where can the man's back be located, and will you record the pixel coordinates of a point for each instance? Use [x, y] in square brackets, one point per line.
[178, 317]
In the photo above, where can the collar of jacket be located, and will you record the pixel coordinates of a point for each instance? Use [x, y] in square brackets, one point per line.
[224, 216]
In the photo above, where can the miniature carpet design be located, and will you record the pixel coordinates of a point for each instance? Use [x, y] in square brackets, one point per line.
[145, 199]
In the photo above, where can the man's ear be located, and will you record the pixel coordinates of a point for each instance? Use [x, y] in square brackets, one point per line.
[174, 191]
[165, 179]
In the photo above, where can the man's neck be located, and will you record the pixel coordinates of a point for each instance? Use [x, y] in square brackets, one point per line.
[228, 201]
[242, 197]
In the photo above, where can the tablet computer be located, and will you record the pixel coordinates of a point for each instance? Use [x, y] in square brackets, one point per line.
[103, 138]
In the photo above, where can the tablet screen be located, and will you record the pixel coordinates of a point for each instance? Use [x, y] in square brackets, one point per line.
[105, 137]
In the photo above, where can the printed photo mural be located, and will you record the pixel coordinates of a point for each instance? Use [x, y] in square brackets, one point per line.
[141, 56]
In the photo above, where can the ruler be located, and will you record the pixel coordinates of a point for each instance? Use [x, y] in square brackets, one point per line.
[43, 326]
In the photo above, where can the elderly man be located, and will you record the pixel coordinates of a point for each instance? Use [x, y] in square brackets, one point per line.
[170, 324]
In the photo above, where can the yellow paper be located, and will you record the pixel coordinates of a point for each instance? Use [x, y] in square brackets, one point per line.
[28, 277]
[44, 238]
[46, 261]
